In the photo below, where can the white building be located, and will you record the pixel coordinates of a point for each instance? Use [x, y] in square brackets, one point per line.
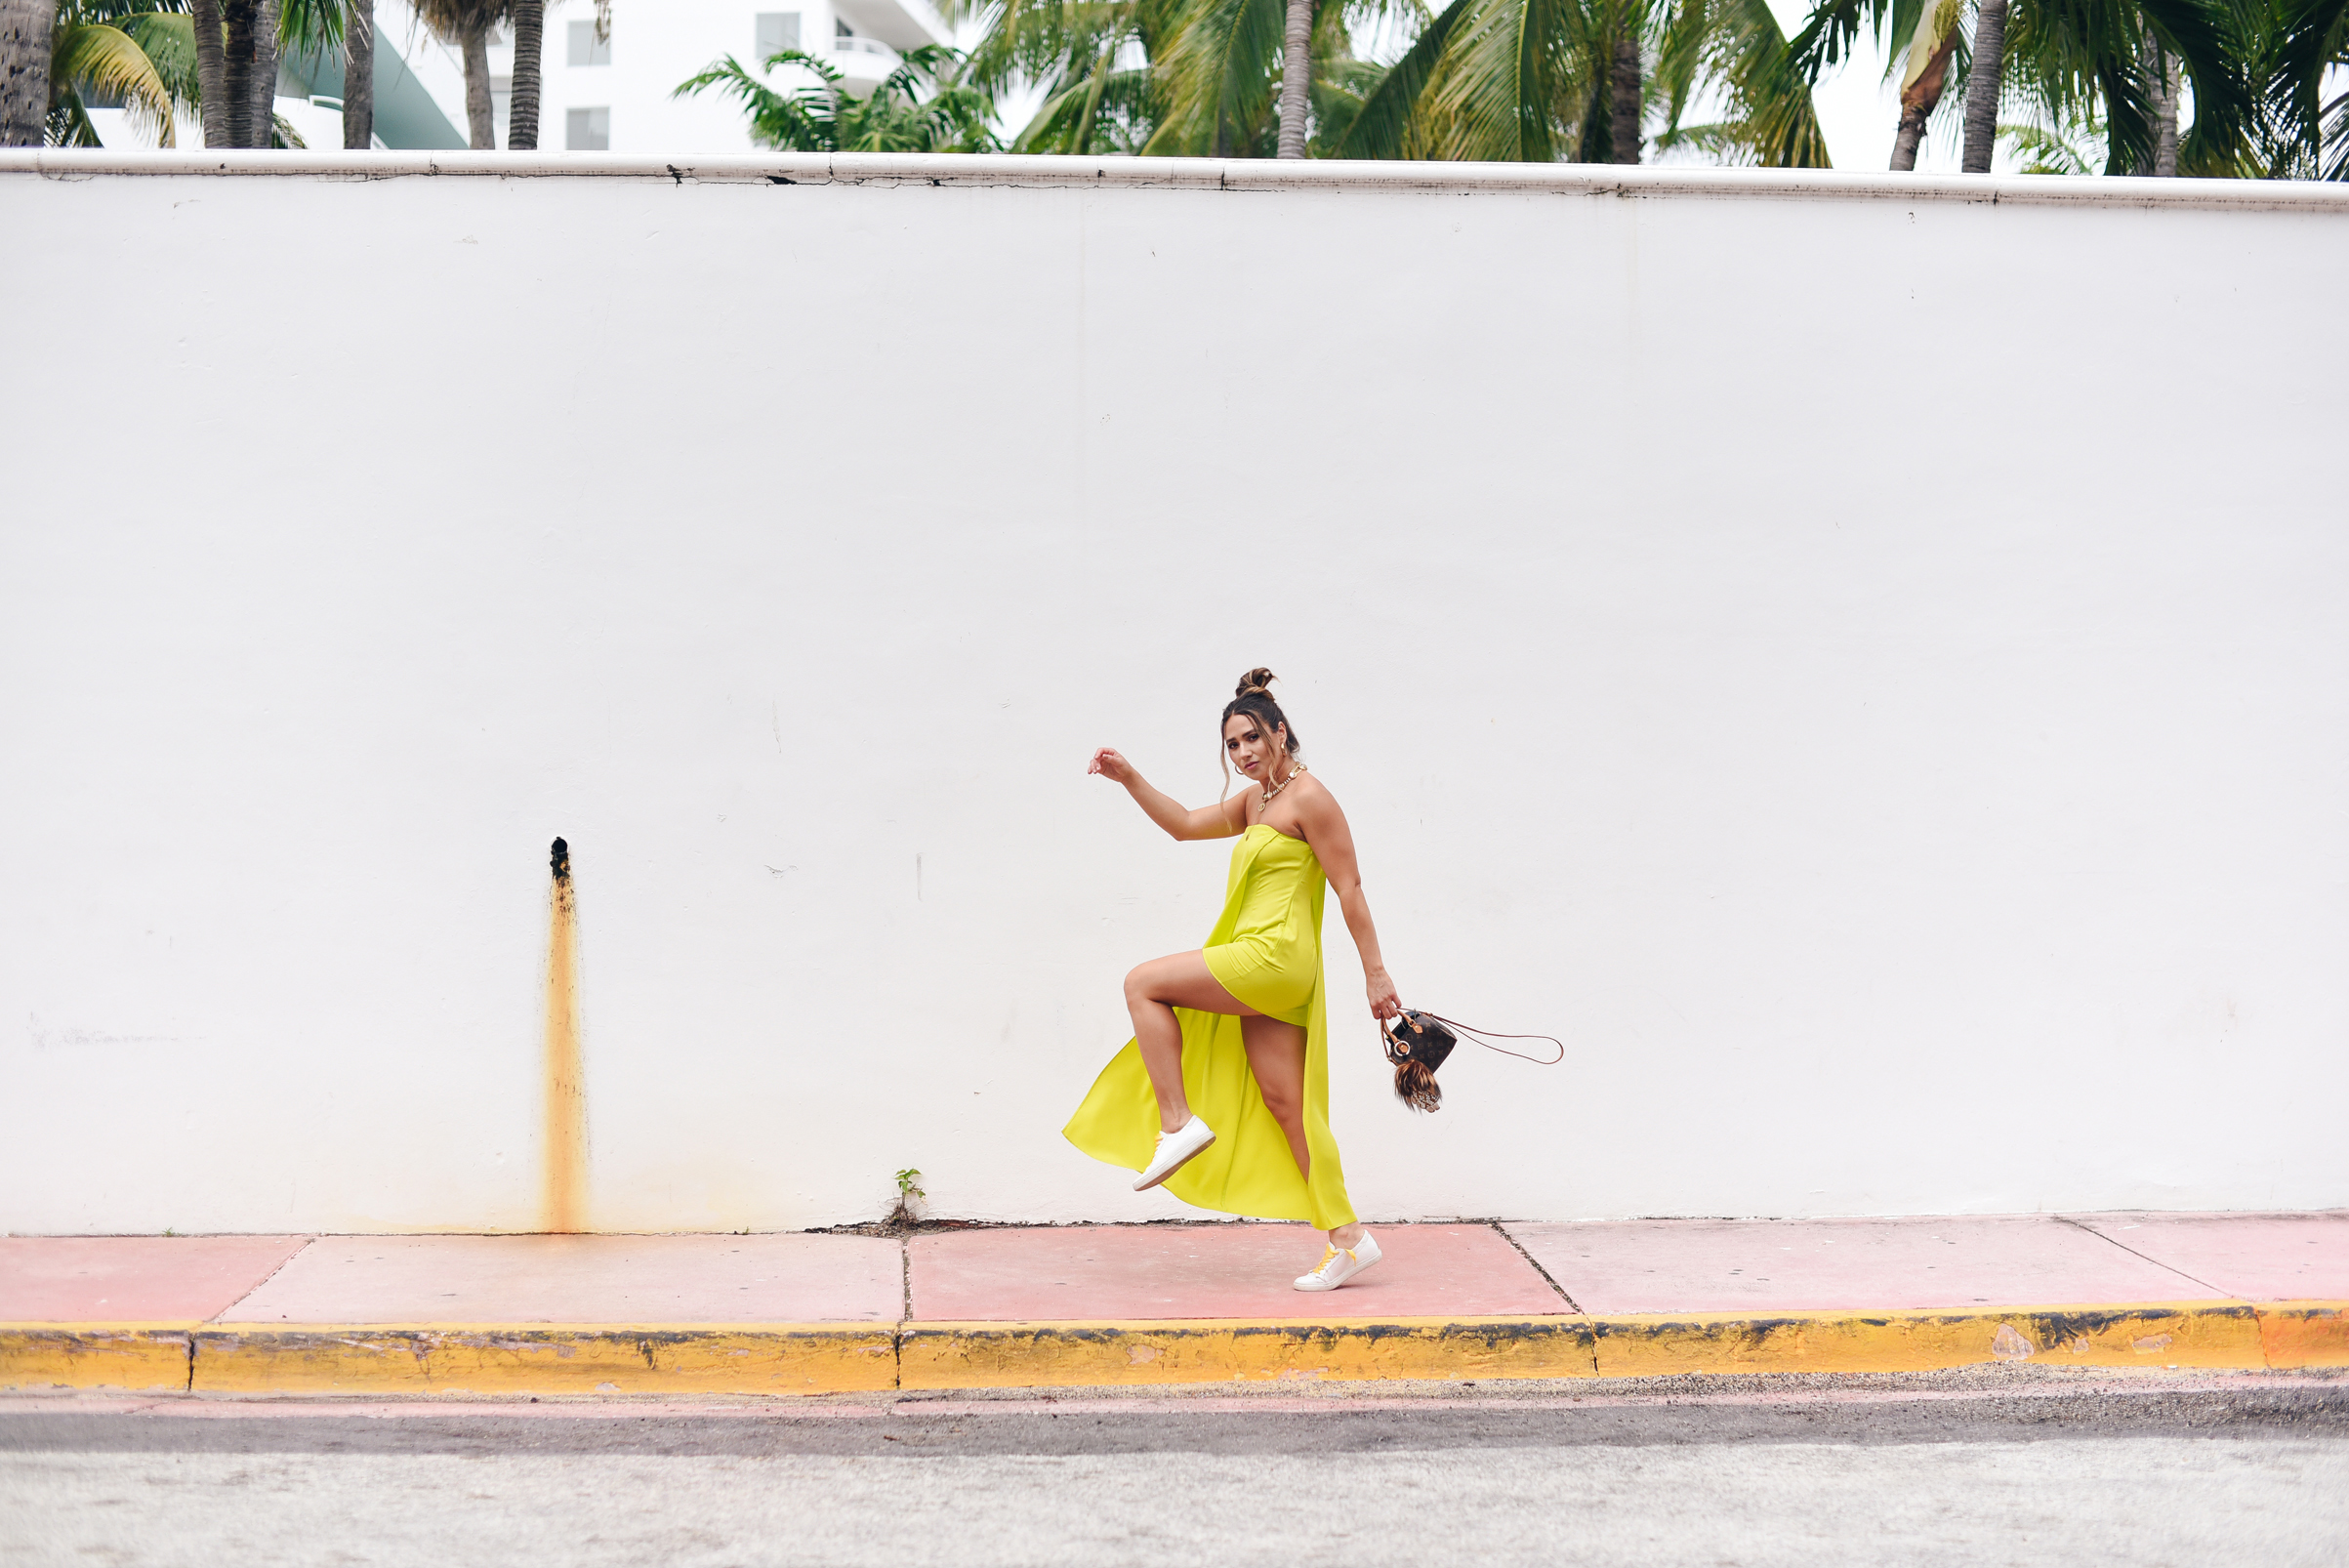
[616, 95]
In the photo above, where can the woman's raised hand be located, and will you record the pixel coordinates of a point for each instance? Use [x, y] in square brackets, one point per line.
[1110, 766]
[1384, 1002]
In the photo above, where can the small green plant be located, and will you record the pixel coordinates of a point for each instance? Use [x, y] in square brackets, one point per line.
[909, 1193]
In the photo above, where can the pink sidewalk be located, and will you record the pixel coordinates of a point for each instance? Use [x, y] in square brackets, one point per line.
[1162, 1272]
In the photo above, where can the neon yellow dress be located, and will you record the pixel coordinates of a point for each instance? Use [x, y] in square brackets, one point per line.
[1266, 951]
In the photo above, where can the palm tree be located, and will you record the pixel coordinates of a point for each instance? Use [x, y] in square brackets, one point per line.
[249, 83]
[2115, 63]
[149, 57]
[359, 76]
[1542, 80]
[210, 34]
[1219, 76]
[1093, 58]
[1225, 87]
[27, 37]
[529, 50]
[467, 25]
[895, 117]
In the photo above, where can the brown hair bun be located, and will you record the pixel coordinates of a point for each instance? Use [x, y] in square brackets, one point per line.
[1258, 680]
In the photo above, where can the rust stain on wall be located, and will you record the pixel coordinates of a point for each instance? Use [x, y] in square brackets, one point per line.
[562, 1182]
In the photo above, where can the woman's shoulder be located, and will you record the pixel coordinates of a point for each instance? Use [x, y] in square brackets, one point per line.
[1315, 788]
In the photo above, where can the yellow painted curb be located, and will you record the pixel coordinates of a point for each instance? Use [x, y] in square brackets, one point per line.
[1012, 1355]
[516, 1358]
[807, 1358]
[141, 1356]
[2305, 1334]
[2198, 1335]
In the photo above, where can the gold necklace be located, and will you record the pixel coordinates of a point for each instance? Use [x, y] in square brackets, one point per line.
[1281, 785]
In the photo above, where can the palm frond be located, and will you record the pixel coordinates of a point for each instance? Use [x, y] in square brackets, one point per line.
[1512, 75]
[2043, 150]
[168, 40]
[316, 25]
[922, 106]
[1833, 28]
[1738, 45]
[1219, 76]
[2310, 37]
[2214, 42]
[799, 121]
[97, 58]
[1378, 127]
[67, 124]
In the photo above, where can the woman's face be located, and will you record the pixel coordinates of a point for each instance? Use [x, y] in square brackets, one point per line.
[1252, 747]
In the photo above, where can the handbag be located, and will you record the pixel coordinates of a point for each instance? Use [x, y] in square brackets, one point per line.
[1416, 1043]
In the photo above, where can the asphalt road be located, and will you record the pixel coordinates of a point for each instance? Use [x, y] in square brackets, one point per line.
[1868, 1471]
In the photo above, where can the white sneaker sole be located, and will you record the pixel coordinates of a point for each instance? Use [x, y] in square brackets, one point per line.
[1152, 1182]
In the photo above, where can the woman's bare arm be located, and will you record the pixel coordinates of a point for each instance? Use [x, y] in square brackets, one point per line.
[1332, 843]
[1217, 821]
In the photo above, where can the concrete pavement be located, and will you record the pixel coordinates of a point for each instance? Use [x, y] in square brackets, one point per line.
[1016, 1306]
[1990, 1466]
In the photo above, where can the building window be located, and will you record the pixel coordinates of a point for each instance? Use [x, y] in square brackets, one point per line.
[778, 30]
[585, 48]
[588, 129]
[840, 29]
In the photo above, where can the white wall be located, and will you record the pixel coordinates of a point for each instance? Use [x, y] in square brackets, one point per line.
[1869, 669]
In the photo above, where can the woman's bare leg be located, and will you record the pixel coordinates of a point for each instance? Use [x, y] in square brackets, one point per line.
[1153, 991]
[1276, 1055]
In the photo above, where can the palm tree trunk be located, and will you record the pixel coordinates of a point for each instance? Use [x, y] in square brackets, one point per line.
[265, 74]
[1982, 85]
[1910, 137]
[1920, 96]
[236, 82]
[212, 70]
[2162, 83]
[529, 35]
[1296, 77]
[359, 76]
[27, 34]
[2165, 146]
[480, 122]
[1624, 99]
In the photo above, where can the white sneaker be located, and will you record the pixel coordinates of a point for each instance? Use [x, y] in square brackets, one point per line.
[1340, 1265]
[1175, 1150]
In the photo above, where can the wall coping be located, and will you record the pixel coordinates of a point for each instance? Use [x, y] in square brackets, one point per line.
[789, 169]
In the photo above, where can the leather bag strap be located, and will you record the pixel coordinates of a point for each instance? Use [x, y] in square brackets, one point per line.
[1478, 1035]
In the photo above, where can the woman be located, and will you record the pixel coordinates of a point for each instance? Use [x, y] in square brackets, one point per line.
[1230, 1043]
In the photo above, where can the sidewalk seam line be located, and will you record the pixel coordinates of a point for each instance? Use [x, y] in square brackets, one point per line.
[308, 1242]
[1564, 1294]
[2066, 1220]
